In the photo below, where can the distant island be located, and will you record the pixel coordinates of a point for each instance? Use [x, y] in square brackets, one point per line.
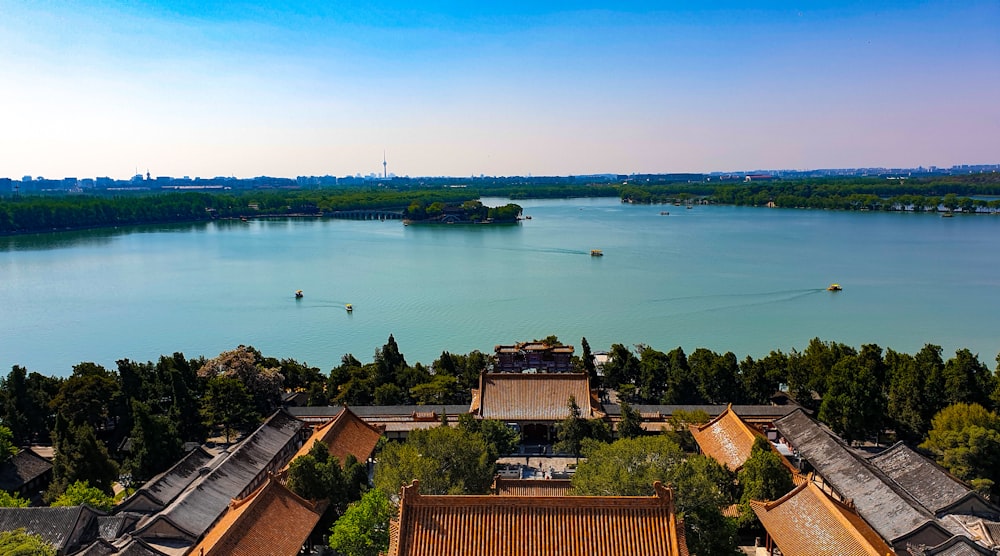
[469, 212]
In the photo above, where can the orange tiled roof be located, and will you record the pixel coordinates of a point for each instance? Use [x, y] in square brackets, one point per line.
[346, 434]
[807, 522]
[533, 397]
[536, 525]
[271, 520]
[532, 487]
[727, 439]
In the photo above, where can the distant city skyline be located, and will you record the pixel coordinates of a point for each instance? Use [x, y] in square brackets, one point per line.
[385, 175]
[110, 88]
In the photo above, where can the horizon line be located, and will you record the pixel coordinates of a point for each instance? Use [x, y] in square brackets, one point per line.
[885, 169]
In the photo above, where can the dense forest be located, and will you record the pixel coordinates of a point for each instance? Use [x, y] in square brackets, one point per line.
[956, 193]
[33, 213]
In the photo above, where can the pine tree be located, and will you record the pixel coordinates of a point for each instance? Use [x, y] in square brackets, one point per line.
[155, 443]
[572, 430]
[79, 456]
[763, 477]
[631, 424]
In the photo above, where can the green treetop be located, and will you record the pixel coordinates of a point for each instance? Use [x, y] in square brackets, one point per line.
[363, 530]
[21, 543]
[446, 460]
[763, 477]
[80, 493]
[965, 440]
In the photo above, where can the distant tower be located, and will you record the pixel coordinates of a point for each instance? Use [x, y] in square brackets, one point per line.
[147, 174]
[385, 166]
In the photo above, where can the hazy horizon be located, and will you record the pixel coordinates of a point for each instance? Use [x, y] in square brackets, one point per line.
[105, 88]
[391, 175]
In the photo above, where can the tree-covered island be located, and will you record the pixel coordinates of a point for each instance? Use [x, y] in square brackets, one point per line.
[469, 212]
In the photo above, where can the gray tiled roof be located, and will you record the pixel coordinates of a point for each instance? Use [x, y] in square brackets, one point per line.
[204, 500]
[134, 547]
[166, 486]
[926, 481]
[368, 411]
[890, 511]
[100, 547]
[64, 528]
[744, 411]
[23, 467]
[957, 546]
[110, 527]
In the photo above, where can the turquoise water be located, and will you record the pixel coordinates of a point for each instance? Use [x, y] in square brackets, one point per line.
[746, 280]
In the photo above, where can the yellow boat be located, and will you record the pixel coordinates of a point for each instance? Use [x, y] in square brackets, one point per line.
[834, 288]
[298, 294]
[349, 307]
[596, 253]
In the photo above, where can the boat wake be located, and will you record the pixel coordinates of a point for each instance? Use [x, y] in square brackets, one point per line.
[549, 250]
[323, 304]
[745, 295]
[736, 301]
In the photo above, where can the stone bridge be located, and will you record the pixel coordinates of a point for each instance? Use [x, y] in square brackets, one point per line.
[366, 214]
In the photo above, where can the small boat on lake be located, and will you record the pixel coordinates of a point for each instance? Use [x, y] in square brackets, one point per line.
[596, 253]
[948, 214]
[349, 307]
[298, 294]
[664, 213]
[834, 288]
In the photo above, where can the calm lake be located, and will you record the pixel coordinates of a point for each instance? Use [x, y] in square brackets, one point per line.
[746, 280]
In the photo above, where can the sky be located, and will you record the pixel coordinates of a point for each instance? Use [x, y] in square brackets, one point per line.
[457, 88]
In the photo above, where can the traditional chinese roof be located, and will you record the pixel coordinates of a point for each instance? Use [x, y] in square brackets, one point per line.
[533, 397]
[110, 527]
[346, 434]
[159, 491]
[749, 413]
[271, 520]
[532, 487]
[955, 546]
[932, 486]
[65, 528]
[984, 531]
[22, 468]
[230, 476]
[726, 439]
[375, 414]
[130, 547]
[536, 525]
[888, 508]
[807, 522]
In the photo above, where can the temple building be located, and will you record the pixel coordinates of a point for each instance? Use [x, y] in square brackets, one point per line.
[808, 522]
[911, 502]
[728, 439]
[435, 525]
[345, 434]
[270, 520]
[534, 402]
[174, 511]
[533, 357]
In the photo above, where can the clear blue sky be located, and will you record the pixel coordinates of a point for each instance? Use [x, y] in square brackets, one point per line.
[288, 88]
